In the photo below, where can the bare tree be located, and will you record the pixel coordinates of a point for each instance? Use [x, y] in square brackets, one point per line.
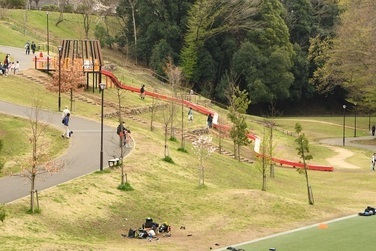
[202, 148]
[153, 111]
[166, 121]
[61, 7]
[120, 97]
[174, 76]
[39, 126]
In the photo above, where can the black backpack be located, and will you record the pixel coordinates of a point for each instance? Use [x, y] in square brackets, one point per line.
[131, 233]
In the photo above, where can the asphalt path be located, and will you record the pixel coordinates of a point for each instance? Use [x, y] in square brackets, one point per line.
[18, 54]
[81, 158]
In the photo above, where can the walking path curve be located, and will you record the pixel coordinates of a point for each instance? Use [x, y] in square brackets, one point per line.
[85, 143]
[79, 158]
[339, 160]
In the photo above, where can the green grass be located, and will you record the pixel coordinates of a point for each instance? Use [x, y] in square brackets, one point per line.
[15, 133]
[90, 212]
[22, 25]
[349, 234]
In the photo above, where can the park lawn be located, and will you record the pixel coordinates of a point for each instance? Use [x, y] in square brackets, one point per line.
[352, 233]
[15, 134]
[89, 213]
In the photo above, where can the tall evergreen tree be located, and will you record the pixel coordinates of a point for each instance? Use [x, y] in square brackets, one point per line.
[264, 62]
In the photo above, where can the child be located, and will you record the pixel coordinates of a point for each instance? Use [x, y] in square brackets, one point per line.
[16, 67]
[128, 138]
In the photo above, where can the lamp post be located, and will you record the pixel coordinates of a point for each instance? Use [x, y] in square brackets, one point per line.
[344, 118]
[59, 100]
[48, 46]
[355, 122]
[102, 86]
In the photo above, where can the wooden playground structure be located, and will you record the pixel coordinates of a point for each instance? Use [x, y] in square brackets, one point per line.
[82, 55]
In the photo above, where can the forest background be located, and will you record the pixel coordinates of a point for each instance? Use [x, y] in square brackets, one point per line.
[302, 56]
[235, 192]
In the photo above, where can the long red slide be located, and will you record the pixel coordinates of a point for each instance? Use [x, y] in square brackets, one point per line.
[206, 111]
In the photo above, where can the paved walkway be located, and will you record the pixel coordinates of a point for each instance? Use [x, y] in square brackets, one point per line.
[81, 158]
[18, 54]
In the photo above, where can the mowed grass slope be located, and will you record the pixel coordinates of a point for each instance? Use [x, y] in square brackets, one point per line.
[89, 213]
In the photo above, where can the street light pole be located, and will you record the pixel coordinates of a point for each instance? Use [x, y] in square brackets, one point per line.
[48, 46]
[102, 86]
[355, 122]
[59, 100]
[344, 118]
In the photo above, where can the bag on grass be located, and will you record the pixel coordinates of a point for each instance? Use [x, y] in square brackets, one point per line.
[131, 233]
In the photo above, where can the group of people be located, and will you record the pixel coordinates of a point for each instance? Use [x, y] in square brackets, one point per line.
[29, 47]
[125, 136]
[209, 120]
[149, 230]
[8, 66]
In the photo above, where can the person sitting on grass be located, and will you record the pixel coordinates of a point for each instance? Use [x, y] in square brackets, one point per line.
[368, 211]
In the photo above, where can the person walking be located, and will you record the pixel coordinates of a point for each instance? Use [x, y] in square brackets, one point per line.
[65, 121]
[373, 130]
[373, 161]
[33, 47]
[27, 48]
[142, 92]
[120, 130]
[210, 120]
[6, 65]
[190, 114]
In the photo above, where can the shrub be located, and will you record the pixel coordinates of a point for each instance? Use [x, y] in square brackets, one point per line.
[3, 212]
[50, 7]
[182, 149]
[173, 139]
[168, 159]
[125, 187]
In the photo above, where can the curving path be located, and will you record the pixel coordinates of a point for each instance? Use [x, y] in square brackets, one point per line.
[81, 158]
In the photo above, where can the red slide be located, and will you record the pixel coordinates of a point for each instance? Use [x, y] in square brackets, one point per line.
[206, 111]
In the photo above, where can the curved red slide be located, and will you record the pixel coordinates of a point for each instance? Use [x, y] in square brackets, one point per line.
[206, 111]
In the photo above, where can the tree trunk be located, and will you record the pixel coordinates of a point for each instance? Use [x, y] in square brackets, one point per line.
[310, 200]
[182, 145]
[272, 174]
[134, 26]
[165, 142]
[32, 194]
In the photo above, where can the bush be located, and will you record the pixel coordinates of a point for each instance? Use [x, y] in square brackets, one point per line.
[125, 187]
[13, 4]
[68, 8]
[173, 139]
[3, 212]
[50, 7]
[182, 149]
[168, 159]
